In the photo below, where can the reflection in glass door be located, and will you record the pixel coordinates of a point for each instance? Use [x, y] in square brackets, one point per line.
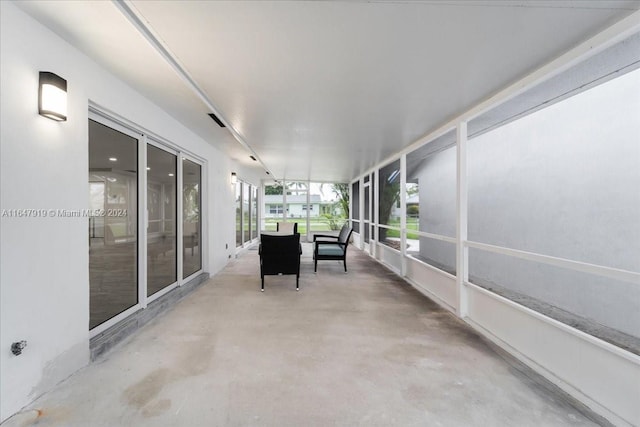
[96, 204]
[191, 219]
[246, 221]
[254, 212]
[113, 195]
[161, 215]
[238, 214]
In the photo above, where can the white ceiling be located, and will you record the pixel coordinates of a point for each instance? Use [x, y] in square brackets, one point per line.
[325, 90]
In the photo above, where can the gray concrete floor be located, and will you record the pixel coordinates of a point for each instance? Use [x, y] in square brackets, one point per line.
[362, 348]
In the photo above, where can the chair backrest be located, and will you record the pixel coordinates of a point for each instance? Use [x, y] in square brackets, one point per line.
[287, 227]
[345, 233]
[280, 249]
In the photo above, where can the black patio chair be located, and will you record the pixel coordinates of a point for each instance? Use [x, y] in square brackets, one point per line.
[280, 255]
[328, 247]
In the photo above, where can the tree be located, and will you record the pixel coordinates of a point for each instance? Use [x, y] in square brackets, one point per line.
[342, 191]
[191, 202]
[273, 189]
[295, 187]
[389, 195]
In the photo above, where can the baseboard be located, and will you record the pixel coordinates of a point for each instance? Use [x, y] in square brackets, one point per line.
[111, 337]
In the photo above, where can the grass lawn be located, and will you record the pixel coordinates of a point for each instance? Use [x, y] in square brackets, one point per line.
[316, 224]
[412, 224]
[323, 224]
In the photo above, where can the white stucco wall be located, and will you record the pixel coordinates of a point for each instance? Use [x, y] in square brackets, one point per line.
[562, 182]
[44, 277]
[437, 194]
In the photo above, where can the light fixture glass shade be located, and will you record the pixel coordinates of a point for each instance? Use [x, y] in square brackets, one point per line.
[234, 178]
[52, 96]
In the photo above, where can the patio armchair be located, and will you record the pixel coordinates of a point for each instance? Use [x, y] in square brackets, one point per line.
[280, 255]
[328, 247]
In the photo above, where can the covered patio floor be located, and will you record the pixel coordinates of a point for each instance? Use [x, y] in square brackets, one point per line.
[362, 348]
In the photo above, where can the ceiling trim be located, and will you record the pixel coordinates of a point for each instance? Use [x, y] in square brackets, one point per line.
[140, 24]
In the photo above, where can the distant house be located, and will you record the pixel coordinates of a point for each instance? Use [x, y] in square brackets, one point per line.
[297, 206]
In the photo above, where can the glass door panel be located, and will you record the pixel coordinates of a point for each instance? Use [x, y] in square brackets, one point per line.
[113, 250]
[162, 259]
[246, 189]
[191, 222]
[254, 212]
[238, 214]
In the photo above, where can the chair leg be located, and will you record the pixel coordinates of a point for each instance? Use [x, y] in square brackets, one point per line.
[345, 265]
[262, 290]
[297, 280]
[315, 265]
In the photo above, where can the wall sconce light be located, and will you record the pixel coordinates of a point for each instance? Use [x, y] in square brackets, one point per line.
[234, 178]
[52, 96]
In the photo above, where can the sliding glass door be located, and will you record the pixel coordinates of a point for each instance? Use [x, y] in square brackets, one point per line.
[246, 213]
[126, 207]
[162, 265]
[113, 221]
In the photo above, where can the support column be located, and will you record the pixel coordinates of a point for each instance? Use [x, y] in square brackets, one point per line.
[361, 210]
[284, 200]
[462, 252]
[307, 217]
[143, 221]
[262, 213]
[180, 219]
[375, 210]
[403, 214]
